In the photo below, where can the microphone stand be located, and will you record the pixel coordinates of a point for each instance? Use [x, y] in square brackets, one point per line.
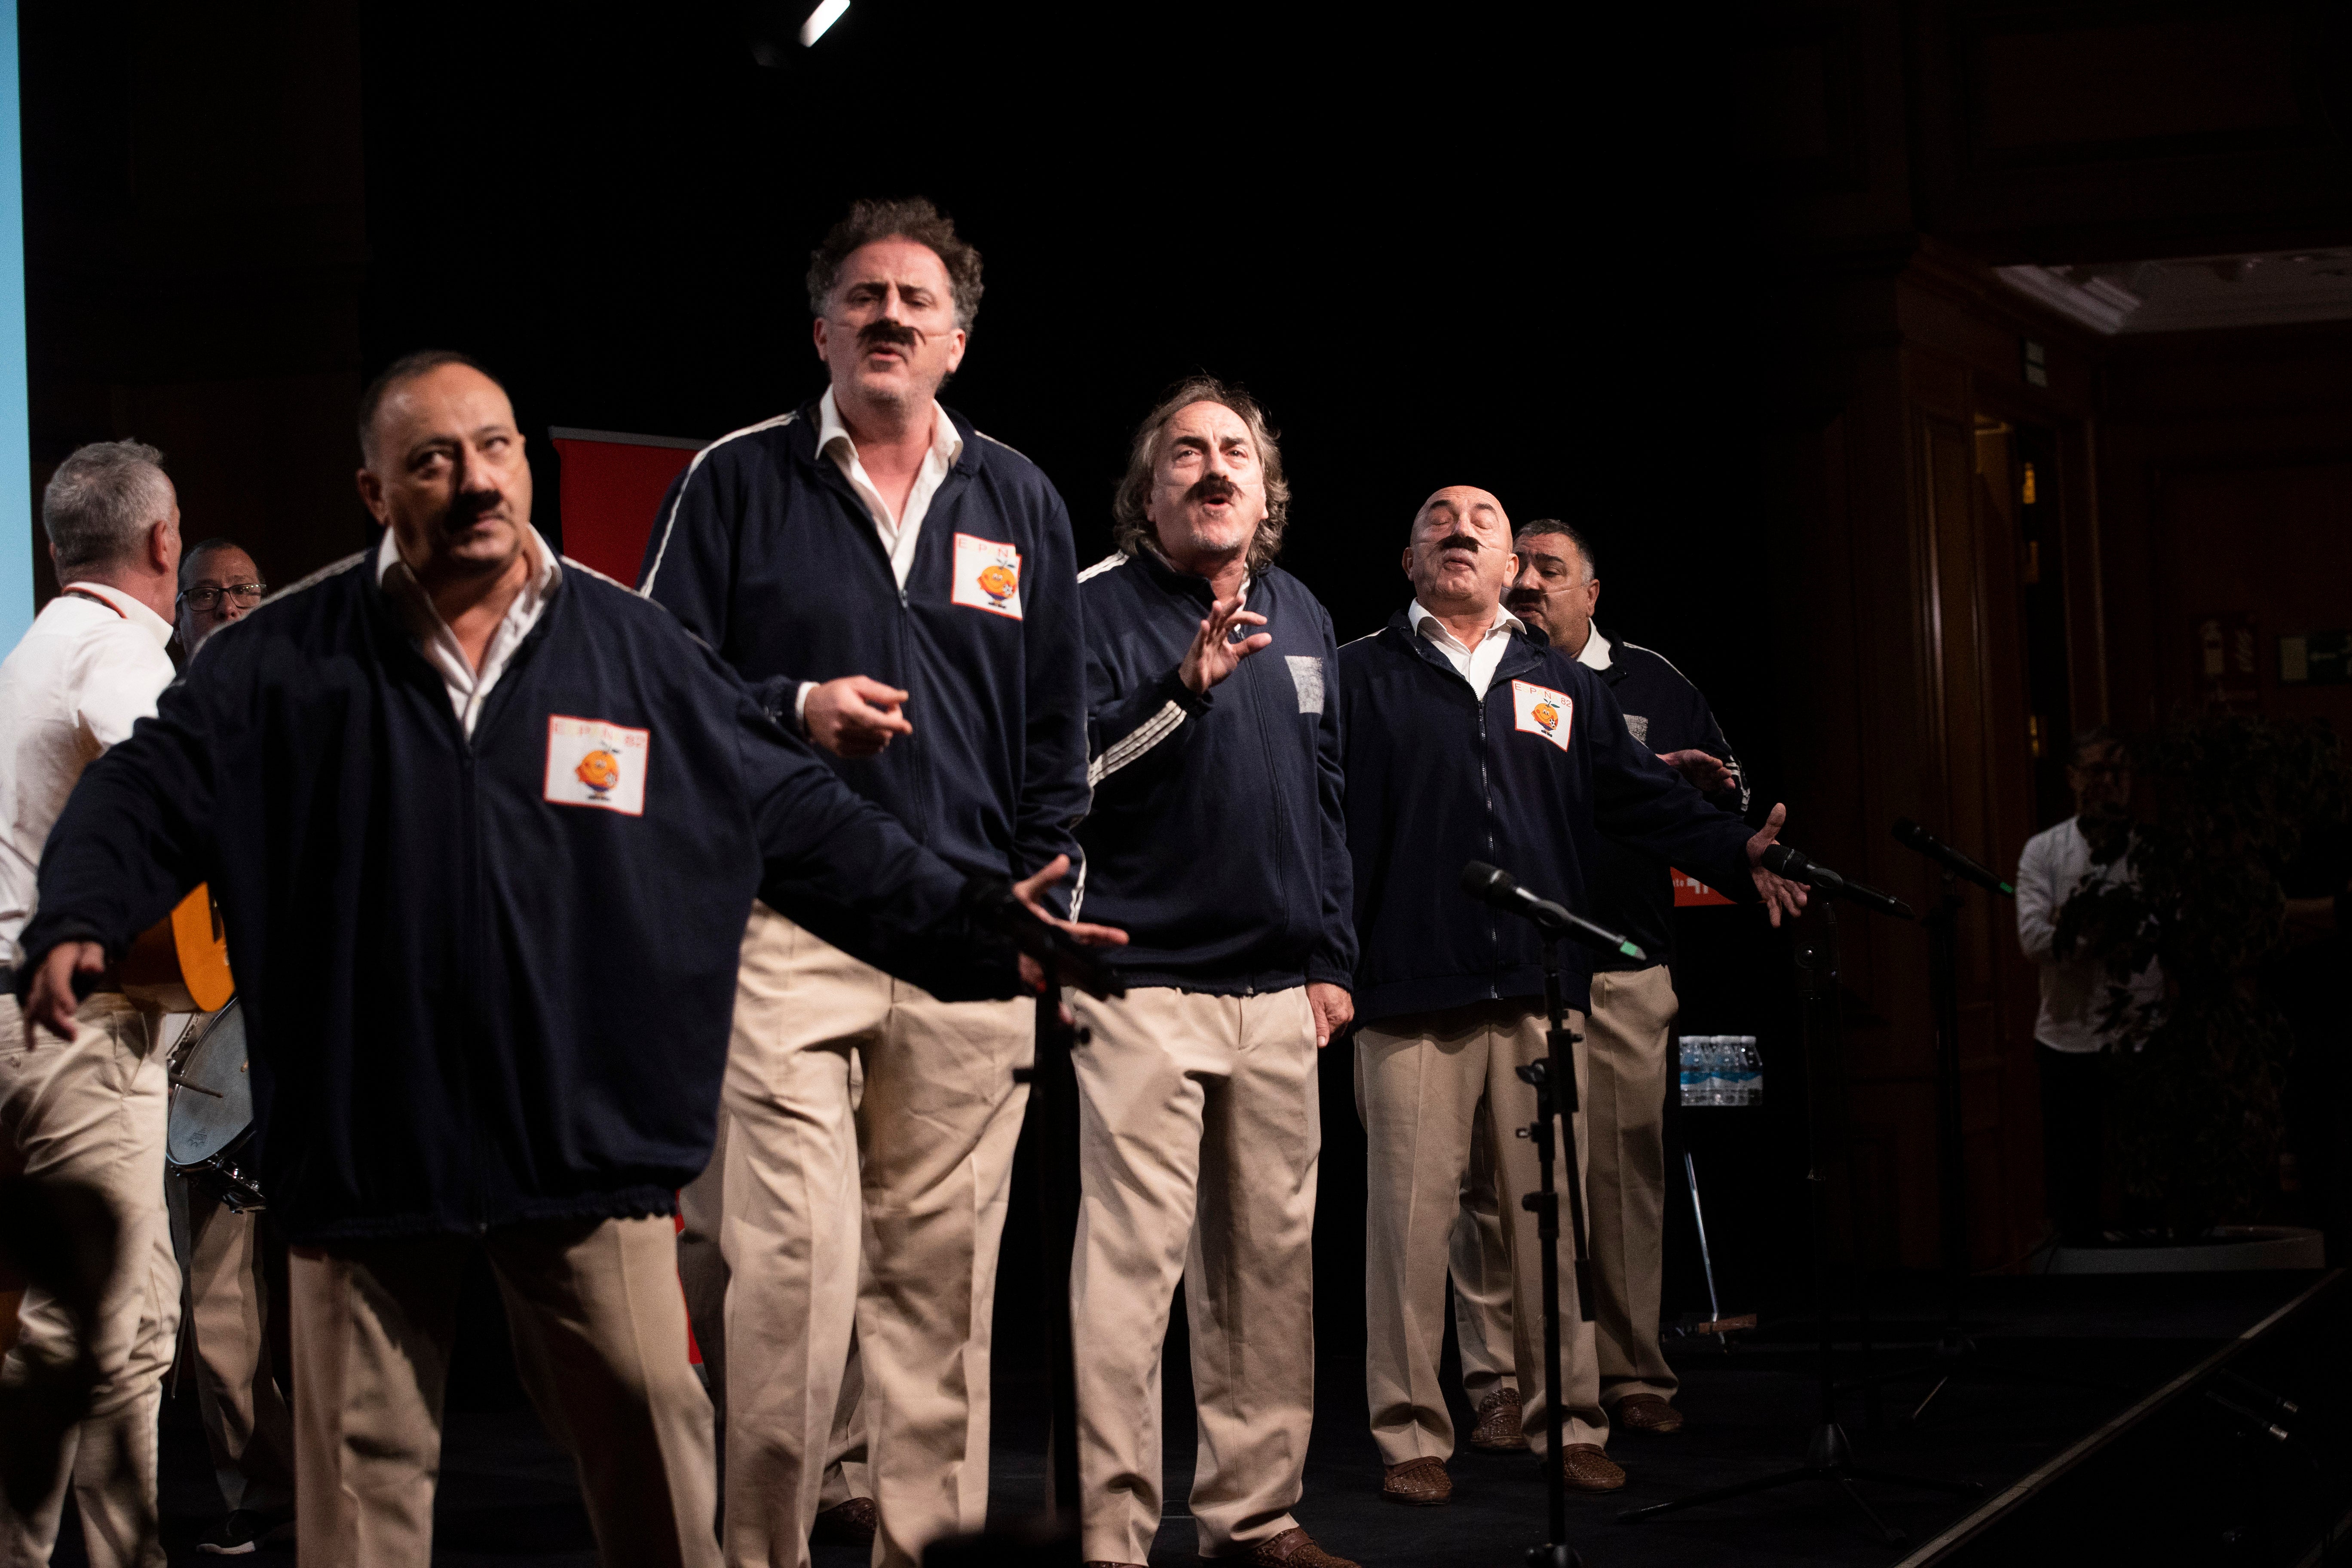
[1829, 1453]
[1554, 1079]
[1956, 1354]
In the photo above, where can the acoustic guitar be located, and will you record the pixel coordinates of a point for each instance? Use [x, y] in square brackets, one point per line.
[180, 964]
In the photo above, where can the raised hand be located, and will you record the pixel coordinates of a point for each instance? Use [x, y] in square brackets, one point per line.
[1213, 657]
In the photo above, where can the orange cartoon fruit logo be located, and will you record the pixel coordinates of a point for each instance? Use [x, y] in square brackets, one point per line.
[1544, 714]
[600, 770]
[999, 580]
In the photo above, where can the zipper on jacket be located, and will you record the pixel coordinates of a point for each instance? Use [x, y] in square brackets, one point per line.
[1487, 795]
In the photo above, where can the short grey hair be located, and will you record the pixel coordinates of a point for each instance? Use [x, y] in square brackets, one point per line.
[99, 504]
[912, 219]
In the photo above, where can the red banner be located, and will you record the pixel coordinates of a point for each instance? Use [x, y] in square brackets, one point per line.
[613, 486]
[1690, 892]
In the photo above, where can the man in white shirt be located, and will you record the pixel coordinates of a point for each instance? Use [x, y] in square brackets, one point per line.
[2069, 1036]
[92, 1111]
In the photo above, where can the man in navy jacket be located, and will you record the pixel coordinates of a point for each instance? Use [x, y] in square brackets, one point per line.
[1629, 1028]
[900, 587]
[1467, 741]
[1217, 838]
[484, 829]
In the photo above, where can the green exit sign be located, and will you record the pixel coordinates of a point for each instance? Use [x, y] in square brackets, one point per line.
[2316, 658]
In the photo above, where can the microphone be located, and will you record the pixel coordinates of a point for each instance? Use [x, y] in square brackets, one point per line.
[1493, 885]
[1911, 835]
[1781, 861]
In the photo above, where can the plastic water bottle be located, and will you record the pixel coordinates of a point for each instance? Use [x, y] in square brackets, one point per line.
[1745, 1071]
[1693, 1069]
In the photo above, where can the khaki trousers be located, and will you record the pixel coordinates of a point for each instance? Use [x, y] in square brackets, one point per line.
[926, 1158]
[1200, 1136]
[1419, 1081]
[600, 1341]
[1625, 1047]
[93, 1111]
[702, 1269]
[247, 1424]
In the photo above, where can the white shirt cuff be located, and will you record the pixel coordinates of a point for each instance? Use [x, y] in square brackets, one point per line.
[800, 705]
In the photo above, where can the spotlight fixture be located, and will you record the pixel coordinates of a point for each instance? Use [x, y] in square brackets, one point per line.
[827, 13]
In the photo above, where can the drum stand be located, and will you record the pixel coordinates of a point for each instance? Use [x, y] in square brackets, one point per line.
[1829, 1454]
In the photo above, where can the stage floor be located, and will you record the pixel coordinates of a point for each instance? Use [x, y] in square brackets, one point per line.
[507, 1498]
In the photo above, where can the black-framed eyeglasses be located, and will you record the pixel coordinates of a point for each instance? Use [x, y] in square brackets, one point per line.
[245, 594]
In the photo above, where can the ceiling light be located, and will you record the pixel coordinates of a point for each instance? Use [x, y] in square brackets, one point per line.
[823, 17]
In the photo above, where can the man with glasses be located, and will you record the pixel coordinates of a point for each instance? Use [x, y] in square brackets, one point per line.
[218, 584]
[224, 1252]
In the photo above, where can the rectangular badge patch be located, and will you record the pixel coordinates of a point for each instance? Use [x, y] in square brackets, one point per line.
[987, 575]
[592, 762]
[1307, 678]
[1541, 710]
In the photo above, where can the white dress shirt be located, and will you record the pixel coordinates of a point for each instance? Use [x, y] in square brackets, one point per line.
[83, 676]
[1476, 665]
[898, 533]
[469, 687]
[2055, 865]
[1594, 654]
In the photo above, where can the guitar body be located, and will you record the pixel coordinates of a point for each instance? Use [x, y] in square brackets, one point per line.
[181, 963]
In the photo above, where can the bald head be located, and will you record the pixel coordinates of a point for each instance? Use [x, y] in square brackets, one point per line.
[1459, 556]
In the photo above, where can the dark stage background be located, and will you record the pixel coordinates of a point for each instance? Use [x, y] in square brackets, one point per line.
[1720, 289]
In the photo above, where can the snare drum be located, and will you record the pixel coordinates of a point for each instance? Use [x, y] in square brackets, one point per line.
[211, 1110]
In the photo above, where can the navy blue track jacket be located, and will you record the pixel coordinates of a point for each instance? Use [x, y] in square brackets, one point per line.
[764, 551]
[1217, 840]
[1529, 780]
[1634, 890]
[473, 999]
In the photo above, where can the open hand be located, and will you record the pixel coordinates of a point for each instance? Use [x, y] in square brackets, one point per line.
[854, 716]
[1779, 893]
[52, 1002]
[1213, 657]
[1030, 891]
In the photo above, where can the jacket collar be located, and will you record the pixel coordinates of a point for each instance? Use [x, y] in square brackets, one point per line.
[1188, 582]
[809, 419]
[1525, 651]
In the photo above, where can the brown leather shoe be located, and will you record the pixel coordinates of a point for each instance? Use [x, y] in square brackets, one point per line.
[1497, 1431]
[1422, 1483]
[1585, 1468]
[1646, 1413]
[850, 1523]
[1294, 1549]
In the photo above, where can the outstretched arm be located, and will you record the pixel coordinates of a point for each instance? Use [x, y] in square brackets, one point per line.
[133, 838]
